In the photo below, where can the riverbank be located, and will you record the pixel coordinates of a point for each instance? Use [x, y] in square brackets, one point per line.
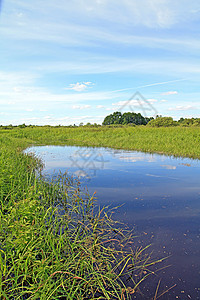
[53, 244]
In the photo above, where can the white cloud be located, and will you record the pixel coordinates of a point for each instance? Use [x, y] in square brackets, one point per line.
[104, 40]
[182, 108]
[136, 158]
[51, 22]
[81, 106]
[154, 13]
[52, 120]
[100, 64]
[134, 102]
[16, 80]
[9, 102]
[20, 90]
[144, 106]
[170, 93]
[79, 87]
[88, 83]
[163, 100]
[169, 167]
[81, 173]
[151, 100]
[16, 89]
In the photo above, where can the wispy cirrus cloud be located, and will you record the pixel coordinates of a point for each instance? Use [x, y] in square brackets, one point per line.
[102, 64]
[134, 102]
[169, 93]
[26, 22]
[122, 46]
[151, 85]
[152, 14]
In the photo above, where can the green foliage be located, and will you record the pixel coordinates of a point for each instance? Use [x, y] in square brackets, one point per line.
[115, 118]
[189, 122]
[162, 122]
[126, 118]
[22, 125]
[196, 122]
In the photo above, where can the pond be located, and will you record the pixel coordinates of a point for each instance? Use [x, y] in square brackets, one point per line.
[159, 197]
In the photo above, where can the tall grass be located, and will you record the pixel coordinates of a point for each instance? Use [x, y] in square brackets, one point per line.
[54, 242]
[177, 141]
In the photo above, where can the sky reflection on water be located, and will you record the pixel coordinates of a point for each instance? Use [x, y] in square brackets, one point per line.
[160, 198]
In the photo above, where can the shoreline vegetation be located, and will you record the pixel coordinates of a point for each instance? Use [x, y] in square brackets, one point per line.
[178, 141]
[54, 242]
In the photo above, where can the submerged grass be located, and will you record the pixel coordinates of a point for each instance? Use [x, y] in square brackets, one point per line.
[54, 243]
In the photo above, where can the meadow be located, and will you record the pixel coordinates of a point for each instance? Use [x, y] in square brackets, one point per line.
[55, 243]
[176, 141]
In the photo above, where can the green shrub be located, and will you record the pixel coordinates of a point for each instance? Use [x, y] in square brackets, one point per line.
[162, 122]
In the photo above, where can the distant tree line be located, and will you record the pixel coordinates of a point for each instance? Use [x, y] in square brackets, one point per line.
[168, 121]
[131, 118]
[117, 119]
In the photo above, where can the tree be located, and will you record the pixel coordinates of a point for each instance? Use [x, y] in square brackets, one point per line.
[22, 125]
[127, 118]
[115, 118]
[196, 122]
[189, 122]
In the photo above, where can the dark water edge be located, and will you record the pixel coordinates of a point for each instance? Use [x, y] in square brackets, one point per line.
[159, 197]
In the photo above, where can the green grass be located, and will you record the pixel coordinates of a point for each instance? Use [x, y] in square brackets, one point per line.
[177, 141]
[54, 243]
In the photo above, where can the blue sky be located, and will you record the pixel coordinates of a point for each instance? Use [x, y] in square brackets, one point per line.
[67, 62]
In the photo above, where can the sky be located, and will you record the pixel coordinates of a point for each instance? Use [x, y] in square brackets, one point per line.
[71, 62]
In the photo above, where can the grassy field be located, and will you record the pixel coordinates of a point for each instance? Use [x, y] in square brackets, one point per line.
[54, 243]
[177, 141]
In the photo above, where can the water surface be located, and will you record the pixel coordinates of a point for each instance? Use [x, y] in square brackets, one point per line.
[160, 198]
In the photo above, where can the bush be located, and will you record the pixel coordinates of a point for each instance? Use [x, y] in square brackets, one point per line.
[162, 122]
[189, 122]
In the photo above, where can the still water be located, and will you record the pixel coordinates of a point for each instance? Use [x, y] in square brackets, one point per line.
[160, 198]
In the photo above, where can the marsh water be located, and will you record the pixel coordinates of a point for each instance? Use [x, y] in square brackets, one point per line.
[159, 196]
